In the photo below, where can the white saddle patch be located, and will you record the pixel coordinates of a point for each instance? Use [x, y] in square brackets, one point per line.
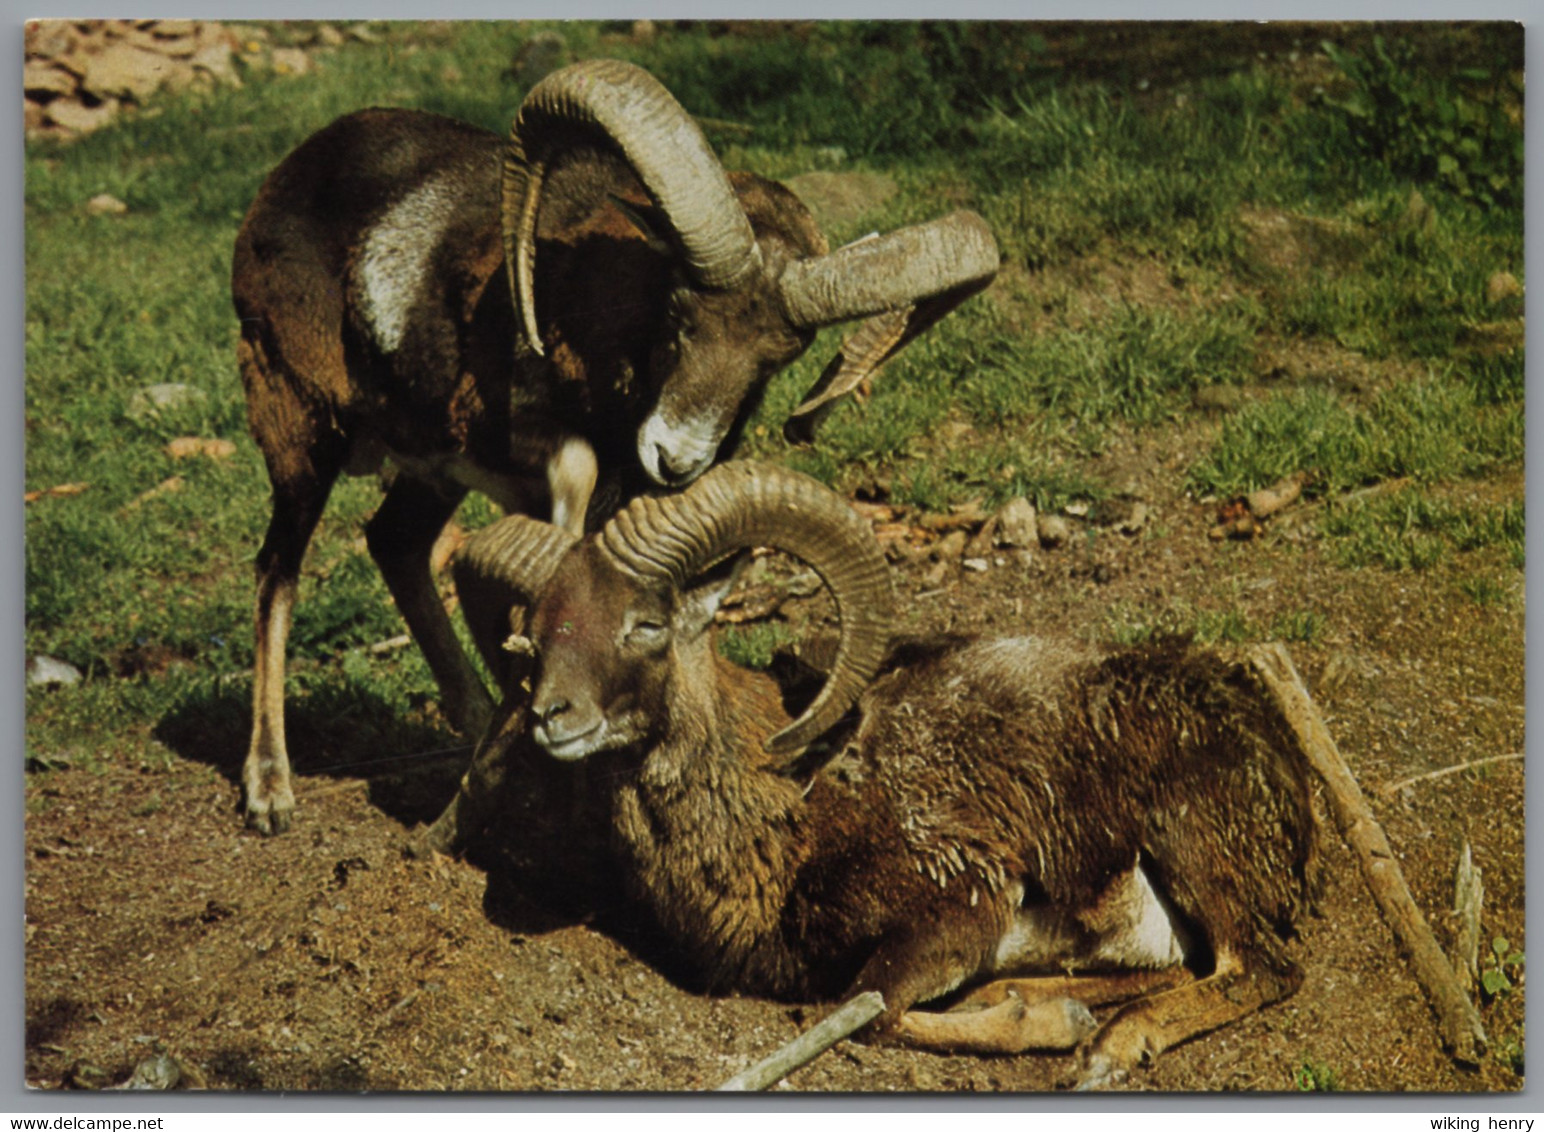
[395, 258]
[1130, 926]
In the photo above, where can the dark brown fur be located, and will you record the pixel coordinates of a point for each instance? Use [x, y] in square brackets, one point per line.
[451, 402]
[978, 780]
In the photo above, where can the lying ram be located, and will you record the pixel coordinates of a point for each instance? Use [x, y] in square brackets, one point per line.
[1126, 825]
[594, 296]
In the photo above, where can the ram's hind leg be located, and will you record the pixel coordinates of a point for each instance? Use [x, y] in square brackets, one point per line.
[1144, 1029]
[401, 535]
[1095, 989]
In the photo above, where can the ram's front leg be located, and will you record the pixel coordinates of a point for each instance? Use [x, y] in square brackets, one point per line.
[1011, 1026]
[470, 811]
[400, 536]
[571, 476]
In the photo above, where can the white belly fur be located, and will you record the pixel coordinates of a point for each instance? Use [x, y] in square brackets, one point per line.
[1130, 926]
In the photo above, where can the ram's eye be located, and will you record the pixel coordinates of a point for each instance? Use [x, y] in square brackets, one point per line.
[647, 634]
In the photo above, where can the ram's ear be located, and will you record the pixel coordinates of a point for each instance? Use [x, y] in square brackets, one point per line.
[700, 604]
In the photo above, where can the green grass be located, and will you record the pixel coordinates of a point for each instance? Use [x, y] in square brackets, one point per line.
[754, 646]
[1086, 181]
[1312, 1076]
[1443, 426]
[1412, 531]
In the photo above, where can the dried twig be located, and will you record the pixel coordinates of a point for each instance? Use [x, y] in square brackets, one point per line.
[1395, 787]
[852, 1015]
[1468, 896]
[1462, 1034]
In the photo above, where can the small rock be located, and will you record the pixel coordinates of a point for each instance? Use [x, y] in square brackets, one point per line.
[40, 77]
[291, 61]
[43, 671]
[75, 115]
[215, 60]
[364, 33]
[164, 397]
[329, 36]
[976, 565]
[1501, 286]
[643, 31]
[1136, 520]
[1017, 525]
[105, 204]
[126, 71]
[50, 38]
[1054, 531]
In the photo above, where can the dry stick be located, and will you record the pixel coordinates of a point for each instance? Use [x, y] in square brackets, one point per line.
[1395, 787]
[1468, 896]
[1459, 1023]
[852, 1015]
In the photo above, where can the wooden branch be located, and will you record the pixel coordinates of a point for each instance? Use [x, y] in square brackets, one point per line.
[1468, 896]
[1458, 1022]
[852, 1015]
[1395, 787]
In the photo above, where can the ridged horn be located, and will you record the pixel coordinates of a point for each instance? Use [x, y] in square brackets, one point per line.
[899, 284]
[892, 271]
[744, 504]
[625, 107]
[507, 563]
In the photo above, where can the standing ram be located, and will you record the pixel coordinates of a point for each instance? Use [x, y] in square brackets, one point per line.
[594, 296]
[1130, 825]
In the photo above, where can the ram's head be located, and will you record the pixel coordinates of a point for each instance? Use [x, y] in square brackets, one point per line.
[618, 620]
[751, 280]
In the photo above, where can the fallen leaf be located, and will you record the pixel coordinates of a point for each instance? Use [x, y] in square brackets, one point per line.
[213, 447]
[57, 489]
[166, 486]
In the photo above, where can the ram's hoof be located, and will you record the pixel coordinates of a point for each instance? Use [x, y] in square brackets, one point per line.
[271, 816]
[1096, 1071]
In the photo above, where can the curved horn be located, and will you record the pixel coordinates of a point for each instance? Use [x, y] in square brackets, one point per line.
[885, 273]
[742, 504]
[507, 563]
[625, 106]
[899, 284]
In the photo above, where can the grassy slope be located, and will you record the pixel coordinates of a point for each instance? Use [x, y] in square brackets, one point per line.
[1082, 179]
